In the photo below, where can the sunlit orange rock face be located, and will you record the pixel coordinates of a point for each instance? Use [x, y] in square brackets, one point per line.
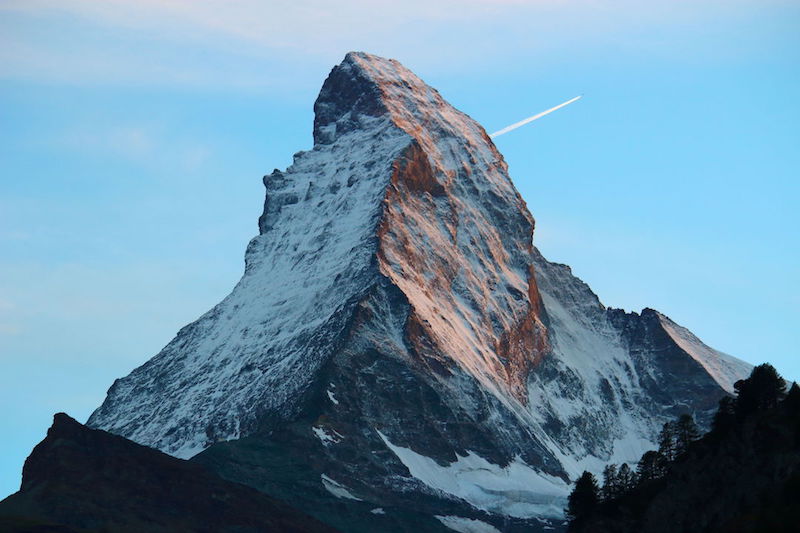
[456, 238]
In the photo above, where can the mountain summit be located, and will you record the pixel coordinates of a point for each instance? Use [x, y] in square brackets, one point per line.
[400, 232]
[396, 332]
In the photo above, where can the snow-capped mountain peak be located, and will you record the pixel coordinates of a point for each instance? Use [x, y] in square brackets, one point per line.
[395, 323]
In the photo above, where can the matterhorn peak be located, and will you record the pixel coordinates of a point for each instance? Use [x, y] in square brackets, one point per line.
[348, 94]
[365, 85]
[396, 331]
[401, 194]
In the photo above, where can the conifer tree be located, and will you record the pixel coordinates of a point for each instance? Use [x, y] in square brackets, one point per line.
[666, 441]
[651, 466]
[686, 432]
[610, 483]
[584, 497]
[764, 389]
[725, 417]
[792, 400]
[627, 478]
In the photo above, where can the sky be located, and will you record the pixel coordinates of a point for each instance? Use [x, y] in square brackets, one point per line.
[134, 135]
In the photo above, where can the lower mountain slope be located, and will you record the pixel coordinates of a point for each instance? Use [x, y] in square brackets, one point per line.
[367, 492]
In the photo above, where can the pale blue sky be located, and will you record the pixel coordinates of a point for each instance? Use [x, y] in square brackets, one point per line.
[133, 136]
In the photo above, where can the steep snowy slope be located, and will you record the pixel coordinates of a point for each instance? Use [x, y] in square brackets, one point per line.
[389, 334]
[613, 377]
[725, 369]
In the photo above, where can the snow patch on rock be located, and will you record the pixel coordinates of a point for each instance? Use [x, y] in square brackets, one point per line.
[327, 436]
[515, 490]
[337, 489]
[332, 398]
[466, 525]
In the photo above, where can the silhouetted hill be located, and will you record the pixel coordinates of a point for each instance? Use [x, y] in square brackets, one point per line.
[79, 480]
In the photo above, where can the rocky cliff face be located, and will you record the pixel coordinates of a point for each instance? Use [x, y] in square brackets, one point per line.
[395, 323]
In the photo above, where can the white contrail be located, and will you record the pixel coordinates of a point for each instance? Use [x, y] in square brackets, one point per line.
[531, 119]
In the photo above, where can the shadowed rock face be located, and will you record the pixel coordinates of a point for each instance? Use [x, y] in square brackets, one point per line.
[81, 479]
[395, 320]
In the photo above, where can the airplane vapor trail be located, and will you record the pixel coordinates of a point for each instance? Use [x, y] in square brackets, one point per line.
[531, 119]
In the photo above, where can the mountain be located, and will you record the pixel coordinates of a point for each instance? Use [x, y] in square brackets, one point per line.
[398, 339]
[79, 480]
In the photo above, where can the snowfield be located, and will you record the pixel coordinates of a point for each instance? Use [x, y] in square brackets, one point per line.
[515, 490]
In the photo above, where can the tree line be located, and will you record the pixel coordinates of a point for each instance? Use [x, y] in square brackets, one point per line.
[763, 390]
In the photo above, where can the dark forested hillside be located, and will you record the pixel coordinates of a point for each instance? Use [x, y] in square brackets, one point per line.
[743, 476]
[81, 480]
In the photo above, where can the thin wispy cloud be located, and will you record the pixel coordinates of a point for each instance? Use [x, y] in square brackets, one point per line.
[140, 144]
[257, 43]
